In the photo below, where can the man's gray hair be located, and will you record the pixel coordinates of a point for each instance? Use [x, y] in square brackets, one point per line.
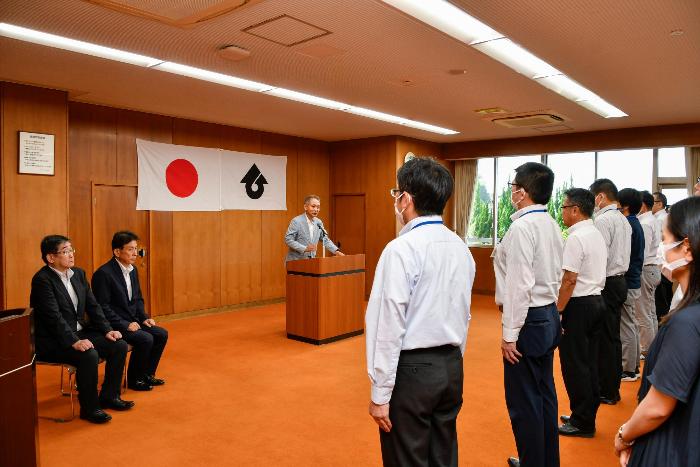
[310, 197]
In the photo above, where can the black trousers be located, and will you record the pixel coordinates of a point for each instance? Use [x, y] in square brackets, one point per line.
[86, 363]
[610, 348]
[148, 344]
[578, 353]
[531, 397]
[662, 297]
[423, 409]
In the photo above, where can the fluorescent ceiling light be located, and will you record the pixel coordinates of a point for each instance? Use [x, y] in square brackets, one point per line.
[41, 38]
[427, 127]
[213, 77]
[567, 87]
[511, 54]
[307, 98]
[602, 108]
[51, 40]
[458, 24]
[446, 17]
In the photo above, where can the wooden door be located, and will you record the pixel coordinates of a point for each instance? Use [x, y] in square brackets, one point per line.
[114, 209]
[349, 223]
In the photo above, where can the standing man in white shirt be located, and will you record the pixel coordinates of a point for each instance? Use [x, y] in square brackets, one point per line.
[528, 272]
[305, 231]
[582, 308]
[651, 274]
[664, 291]
[617, 233]
[416, 324]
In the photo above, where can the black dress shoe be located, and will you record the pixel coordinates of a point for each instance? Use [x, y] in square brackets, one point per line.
[513, 462]
[567, 429]
[116, 404]
[565, 418]
[609, 401]
[153, 381]
[97, 416]
[140, 386]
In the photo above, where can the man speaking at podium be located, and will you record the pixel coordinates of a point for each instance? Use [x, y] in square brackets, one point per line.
[306, 230]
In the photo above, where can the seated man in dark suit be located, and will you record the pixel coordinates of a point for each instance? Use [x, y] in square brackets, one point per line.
[61, 298]
[117, 289]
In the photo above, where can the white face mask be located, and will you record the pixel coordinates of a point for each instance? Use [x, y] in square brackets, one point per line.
[668, 268]
[515, 203]
[596, 209]
[399, 214]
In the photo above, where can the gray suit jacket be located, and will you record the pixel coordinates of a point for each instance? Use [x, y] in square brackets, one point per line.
[297, 239]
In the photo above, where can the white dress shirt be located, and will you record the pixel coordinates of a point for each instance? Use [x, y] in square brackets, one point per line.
[421, 298]
[660, 217]
[617, 233]
[652, 237]
[126, 270]
[527, 263]
[586, 255]
[65, 278]
[310, 223]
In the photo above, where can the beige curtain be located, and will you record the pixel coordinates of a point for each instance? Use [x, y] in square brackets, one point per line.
[692, 167]
[465, 181]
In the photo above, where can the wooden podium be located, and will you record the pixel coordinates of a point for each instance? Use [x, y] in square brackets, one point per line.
[19, 442]
[325, 298]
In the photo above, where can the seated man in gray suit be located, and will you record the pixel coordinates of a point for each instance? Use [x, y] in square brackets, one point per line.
[306, 230]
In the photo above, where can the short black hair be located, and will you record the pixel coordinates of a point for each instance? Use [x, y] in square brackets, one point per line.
[537, 180]
[50, 244]
[631, 199]
[582, 198]
[429, 183]
[123, 237]
[647, 199]
[605, 186]
[662, 197]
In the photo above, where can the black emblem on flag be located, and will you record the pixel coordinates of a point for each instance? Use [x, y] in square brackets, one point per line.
[254, 183]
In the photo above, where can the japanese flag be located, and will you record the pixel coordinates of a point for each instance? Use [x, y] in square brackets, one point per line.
[178, 178]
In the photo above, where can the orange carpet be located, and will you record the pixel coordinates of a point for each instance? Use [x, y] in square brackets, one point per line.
[239, 393]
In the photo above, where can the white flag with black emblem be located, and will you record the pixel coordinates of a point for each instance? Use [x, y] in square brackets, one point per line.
[253, 181]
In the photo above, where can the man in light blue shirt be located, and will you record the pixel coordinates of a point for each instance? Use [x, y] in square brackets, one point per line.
[416, 324]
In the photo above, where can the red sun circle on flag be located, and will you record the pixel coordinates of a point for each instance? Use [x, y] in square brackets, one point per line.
[181, 177]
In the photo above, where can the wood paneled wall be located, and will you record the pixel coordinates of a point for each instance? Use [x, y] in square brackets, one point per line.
[368, 166]
[485, 278]
[198, 260]
[32, 205]
[426, 148]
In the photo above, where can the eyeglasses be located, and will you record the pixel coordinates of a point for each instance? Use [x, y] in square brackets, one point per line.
[395, 192]
[514, 184]
[130, 249]
[66, 252]
[564, 206]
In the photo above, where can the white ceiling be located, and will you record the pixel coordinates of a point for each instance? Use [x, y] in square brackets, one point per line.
[622, 50]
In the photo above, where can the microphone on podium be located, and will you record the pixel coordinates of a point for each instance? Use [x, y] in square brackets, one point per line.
[320, 226]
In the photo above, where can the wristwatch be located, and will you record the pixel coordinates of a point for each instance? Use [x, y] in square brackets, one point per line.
[622, 440]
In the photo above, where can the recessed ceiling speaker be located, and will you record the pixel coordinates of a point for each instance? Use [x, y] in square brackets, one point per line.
[233, 53]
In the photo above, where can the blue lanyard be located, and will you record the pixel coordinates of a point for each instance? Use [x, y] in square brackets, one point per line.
[530, 212]
[426, 223]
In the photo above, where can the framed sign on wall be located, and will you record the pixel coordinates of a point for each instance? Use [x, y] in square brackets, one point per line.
[36, 153]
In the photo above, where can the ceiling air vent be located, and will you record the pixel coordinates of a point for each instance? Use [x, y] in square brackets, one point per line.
[529, 121]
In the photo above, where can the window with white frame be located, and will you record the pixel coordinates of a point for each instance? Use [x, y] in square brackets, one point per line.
[652, 169]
